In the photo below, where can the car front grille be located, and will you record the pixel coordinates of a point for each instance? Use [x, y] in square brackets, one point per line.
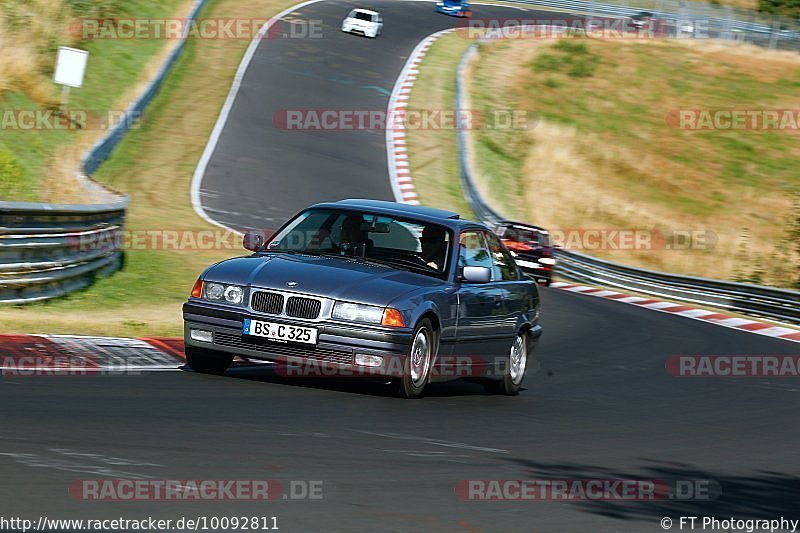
[327, 355]
[267, 302]
[303, 307]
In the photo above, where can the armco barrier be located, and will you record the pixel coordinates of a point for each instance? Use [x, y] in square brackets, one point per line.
[48, 250]
[710, 20]
[779, 304]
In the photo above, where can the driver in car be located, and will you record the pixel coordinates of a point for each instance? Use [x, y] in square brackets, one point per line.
[353, 239]
[433, 246]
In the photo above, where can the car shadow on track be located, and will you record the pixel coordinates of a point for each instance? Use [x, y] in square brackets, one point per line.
[274, 373]
[690, 491]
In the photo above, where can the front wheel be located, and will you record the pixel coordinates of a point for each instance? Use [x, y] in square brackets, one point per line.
[207, 361]
[417, 365]
[514, 367]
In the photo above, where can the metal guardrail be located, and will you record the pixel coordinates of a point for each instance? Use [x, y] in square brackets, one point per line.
[48, 250]
[778, 304]
[709, 20]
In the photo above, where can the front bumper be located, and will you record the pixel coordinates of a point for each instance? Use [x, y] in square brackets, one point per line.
[337, 344]
[365, 31]
[534, 268]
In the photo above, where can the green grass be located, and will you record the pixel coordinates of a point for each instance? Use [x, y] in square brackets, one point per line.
[150, 278]
[153, 165]
[114, 67]
[433, 155]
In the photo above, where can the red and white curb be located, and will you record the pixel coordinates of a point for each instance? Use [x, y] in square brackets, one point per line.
[713, 317]
[36, 354]
[397, 156]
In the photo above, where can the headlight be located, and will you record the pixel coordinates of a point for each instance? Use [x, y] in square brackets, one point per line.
[220, 292]
[370, 314]
[234, 294]
[547, 261]
[215, 291]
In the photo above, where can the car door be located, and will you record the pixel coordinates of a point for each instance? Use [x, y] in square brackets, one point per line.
[513, 290]
[480, 305]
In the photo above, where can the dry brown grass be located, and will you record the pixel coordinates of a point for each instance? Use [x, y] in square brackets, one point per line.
[27, 31]
[601, 155]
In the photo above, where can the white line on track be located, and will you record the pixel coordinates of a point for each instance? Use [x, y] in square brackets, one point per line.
[200, 170]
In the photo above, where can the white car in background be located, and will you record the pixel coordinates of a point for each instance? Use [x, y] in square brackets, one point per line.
[363, 21]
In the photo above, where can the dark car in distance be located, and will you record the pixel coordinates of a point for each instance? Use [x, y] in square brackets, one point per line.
[532, 248]
[641, 19]
[373, 288]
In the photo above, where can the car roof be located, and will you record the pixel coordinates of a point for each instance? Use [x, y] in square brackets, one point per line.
[522, 225]
[367, 11]
[450, 219]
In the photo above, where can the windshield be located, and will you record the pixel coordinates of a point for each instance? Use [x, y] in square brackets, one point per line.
[400, 243]
[360, 15]
[524, 235]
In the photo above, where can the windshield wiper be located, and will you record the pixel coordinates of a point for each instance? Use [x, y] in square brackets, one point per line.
[280, 251]
[405, 264]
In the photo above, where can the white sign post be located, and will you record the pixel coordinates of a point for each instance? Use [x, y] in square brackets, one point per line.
[70, 66]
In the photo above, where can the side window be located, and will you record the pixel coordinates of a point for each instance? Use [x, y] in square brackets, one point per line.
[473, 250]
[544, 239]
[504, 267]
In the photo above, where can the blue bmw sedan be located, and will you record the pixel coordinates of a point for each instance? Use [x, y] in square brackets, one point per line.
[370, 288]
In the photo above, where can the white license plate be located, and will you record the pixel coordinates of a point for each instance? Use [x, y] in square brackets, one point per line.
[279, 332]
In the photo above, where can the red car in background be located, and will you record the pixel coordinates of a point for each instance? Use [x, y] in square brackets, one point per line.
[532, 249]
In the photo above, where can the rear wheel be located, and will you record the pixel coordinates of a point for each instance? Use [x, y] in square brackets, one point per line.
[417, 366]
[207, 361]
[513, 368]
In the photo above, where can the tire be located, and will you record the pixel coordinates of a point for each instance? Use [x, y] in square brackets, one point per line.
[514, 367]
[207, 361]
[418, 362]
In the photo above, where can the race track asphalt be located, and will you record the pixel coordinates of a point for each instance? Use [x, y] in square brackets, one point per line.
[599, 405]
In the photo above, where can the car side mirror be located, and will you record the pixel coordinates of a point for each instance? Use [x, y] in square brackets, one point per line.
[474, 274]
[253, 241]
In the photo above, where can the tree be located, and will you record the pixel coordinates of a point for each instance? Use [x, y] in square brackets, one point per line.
[785, 8]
